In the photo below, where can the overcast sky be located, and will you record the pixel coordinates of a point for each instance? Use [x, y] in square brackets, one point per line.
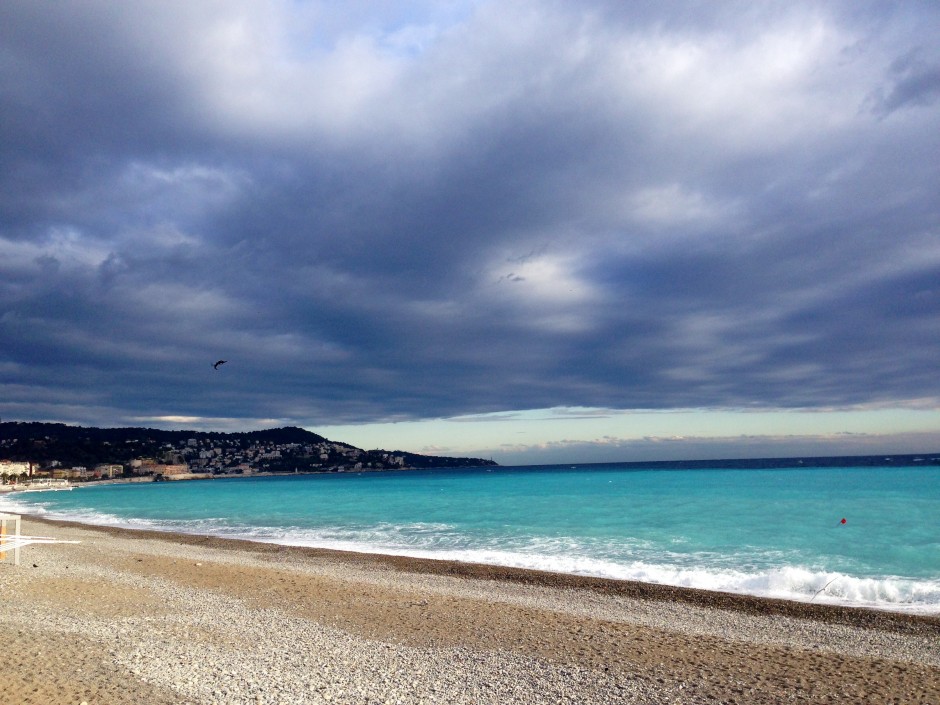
[539, 231]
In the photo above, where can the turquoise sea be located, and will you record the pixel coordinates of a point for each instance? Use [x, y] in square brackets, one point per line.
[772, 532]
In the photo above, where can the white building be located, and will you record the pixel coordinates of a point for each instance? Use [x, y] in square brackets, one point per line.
[10, 467]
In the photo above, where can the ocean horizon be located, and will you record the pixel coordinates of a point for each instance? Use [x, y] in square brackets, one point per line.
[862, 534]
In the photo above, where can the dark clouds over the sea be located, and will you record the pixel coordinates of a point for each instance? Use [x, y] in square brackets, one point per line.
[381, 211]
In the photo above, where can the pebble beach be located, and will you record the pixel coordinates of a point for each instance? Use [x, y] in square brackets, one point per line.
[143, 617]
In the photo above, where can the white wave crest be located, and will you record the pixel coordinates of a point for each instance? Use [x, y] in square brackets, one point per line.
[556, 554]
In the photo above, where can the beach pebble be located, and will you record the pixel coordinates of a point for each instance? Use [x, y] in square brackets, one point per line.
[206, 646]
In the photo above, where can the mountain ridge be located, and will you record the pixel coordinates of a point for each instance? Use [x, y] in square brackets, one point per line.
[281, 449]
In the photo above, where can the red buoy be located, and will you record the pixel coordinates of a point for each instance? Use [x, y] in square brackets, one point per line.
[843, 520]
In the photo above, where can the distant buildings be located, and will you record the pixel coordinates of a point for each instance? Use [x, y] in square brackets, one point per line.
[106, 471]
[76, 454]
[175, 469]
[10, 468]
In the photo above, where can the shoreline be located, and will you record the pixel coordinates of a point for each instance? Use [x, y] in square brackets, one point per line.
[129, 616]
[895, 591]
[749, 604]
[741, 601]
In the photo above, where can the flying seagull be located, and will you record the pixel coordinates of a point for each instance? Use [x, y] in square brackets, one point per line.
[220, 362]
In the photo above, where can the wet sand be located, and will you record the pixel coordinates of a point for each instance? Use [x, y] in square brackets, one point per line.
[144, 617]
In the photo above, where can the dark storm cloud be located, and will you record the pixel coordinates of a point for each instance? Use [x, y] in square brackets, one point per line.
[912, 82]
[394, 214]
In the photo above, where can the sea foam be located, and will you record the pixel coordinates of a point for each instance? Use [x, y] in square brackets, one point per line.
[774, 533]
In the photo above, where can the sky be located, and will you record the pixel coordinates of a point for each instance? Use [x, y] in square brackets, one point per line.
[531, 231]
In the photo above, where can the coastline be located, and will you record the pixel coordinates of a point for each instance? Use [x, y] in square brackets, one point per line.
[351, 627]
[803, 576]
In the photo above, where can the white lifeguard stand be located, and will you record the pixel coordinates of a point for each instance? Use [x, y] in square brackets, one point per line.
[10, 538]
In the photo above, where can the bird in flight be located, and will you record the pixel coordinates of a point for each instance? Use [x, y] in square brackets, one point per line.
[220, 362]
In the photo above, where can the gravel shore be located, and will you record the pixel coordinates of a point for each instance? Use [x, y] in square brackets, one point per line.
[138, 617]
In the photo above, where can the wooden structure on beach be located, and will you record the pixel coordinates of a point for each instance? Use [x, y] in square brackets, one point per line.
[10, 540]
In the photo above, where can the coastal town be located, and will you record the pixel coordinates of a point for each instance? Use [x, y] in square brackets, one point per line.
[33, 452]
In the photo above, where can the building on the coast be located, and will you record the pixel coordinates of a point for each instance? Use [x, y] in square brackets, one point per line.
[12, 468]
[77, 472]
[108, 470]
[144, 466]
[174, 469]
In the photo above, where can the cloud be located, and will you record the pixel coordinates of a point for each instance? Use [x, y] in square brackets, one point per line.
[419, 211]
[911, 82]
[435, 450]
[657, 448]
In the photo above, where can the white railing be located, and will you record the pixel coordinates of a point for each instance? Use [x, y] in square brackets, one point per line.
[14, 540]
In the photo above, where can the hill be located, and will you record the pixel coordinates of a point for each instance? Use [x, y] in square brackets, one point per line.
[286, 449]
